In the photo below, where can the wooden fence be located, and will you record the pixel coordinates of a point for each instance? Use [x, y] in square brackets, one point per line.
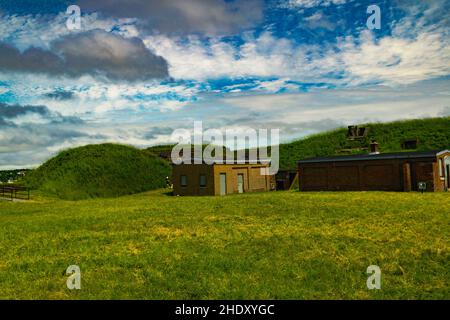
[12, 192]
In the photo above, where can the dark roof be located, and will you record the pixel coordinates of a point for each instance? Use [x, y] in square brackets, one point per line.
[379, 156]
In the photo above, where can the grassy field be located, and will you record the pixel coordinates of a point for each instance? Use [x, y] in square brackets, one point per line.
[279, 245]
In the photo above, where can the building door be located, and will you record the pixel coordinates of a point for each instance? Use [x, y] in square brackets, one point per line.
[447, 174]
[223, 184]
[240, 183]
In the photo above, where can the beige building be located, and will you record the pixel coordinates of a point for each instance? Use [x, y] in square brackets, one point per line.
[220, 179]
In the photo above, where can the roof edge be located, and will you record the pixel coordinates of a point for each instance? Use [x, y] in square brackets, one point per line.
[443, 152]
[380, 156]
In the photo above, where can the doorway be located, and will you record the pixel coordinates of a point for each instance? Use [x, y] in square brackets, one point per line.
[240, 183]
[223, 184]
[447, 176]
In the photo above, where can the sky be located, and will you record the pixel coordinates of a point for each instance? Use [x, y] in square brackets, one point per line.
[136, 70]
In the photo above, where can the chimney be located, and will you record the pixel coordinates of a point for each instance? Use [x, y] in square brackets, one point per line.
[374, 149]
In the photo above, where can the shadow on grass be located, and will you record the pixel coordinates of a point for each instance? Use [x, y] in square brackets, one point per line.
[168, 193]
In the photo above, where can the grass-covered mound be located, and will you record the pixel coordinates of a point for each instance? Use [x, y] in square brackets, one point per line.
[94, 171]
[433, 134]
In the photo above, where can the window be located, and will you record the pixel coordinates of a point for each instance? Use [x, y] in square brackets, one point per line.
[202, 181]
[184, 181]
[441, 168]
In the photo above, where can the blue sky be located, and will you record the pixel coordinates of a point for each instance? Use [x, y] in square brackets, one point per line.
[137, 70]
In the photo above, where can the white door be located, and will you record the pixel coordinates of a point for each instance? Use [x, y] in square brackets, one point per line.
[223, 184]
[240, 183]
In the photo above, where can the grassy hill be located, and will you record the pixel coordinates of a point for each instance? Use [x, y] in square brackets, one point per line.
[166, 148]
[109, 170]
[272, 245]
[104, 170]
[433, 133]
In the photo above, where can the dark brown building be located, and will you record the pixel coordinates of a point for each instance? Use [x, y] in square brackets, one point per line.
[285, 179]
[386, 171]
[220, 179]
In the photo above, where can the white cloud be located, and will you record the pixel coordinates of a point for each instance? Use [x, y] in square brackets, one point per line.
[295, 114]
[24, 31]
[418, 49]
[4, 90]
[275, 86]
[426, 99]
[265, 56]
[311, 3]
[390, 60]
[400, 58]
[183, 16]
[396, 60]
[90, 98]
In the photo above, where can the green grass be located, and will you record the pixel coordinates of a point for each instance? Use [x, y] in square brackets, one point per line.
[103, 170]
[279, 245]
[432, 133]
